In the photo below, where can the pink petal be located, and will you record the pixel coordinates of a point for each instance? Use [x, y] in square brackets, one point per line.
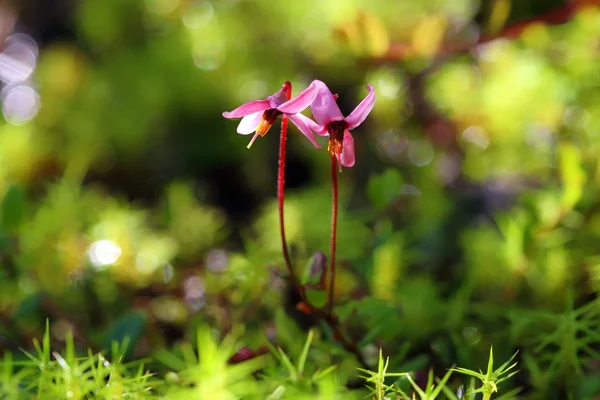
[313, 126]
[302, 122]
[324, 108]
[277, 99]
[300, 102]
[249, 123]
[248, 108]
[347, 157]
[361, 111]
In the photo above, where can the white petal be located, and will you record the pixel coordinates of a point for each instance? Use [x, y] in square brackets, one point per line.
[249, 123]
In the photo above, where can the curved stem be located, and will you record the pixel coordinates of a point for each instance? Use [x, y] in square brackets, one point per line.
[334, 212]
[280, 202]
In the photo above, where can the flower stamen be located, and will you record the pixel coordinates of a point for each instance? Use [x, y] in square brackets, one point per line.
[336, 137]
[268, 119]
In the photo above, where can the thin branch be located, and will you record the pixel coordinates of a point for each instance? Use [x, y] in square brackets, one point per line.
[400, 50]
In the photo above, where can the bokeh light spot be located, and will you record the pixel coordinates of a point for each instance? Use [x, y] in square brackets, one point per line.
[197, 15]
[390, 85]
[410, 190]
[18, 59]
[420, 152]
[391, 144]
[104, 252]
[168, 273]
[162, 7]
[20, 103]
[216, 261]
[252, 89]
[477, 136]
[208, 59]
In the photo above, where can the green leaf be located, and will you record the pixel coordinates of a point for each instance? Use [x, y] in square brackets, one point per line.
[384, 188]
[304, 354]
[13, 209]
[415, 386]
[288, 364]
[572, 174]
[317, 298]
[490, 368]
[441, 384]
[465, 371]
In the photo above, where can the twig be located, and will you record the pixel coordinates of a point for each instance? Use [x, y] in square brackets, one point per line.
[401, 50]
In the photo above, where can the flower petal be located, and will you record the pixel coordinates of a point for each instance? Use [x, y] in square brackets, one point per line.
[347, 157]
[303, 123]
[248, 108]
[320, 130]
[249, 123]
[313, 126]
[361, 111]
[300, 102]
[280, 97]
[324, 108]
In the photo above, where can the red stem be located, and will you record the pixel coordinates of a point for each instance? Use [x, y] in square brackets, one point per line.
[280, 202]
[334, 212]
[328, 317]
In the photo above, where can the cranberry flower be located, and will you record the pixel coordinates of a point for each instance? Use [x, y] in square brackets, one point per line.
[330, 120]
[259, 115]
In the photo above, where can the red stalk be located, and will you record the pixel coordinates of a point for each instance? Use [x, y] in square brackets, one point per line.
[281, 196]
[334, 212]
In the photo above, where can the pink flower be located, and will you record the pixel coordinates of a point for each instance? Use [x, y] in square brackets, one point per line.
[330, 120]
[259, 115]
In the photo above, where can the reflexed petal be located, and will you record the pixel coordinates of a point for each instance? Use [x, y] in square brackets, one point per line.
[347, 157]
[300, 102]
[324, 107]
[277, 99]
[313, 126]
[249, 123]
[248, 108]
[302, 122]
[320, 130]
[361, 111]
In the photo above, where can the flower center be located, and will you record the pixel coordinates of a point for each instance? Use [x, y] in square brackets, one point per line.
[336, 136]
[268, 119]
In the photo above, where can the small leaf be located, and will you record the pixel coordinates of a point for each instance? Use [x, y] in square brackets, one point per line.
[572, 174]
[441, 384]
[304, 354]
[490, 369]
[465, 371]
[504, 368]
[321, 374]
[288, 365]
[416, 387]
[277, 393]
[317, 298]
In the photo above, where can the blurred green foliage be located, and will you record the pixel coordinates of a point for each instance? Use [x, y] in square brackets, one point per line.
[132, 212]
